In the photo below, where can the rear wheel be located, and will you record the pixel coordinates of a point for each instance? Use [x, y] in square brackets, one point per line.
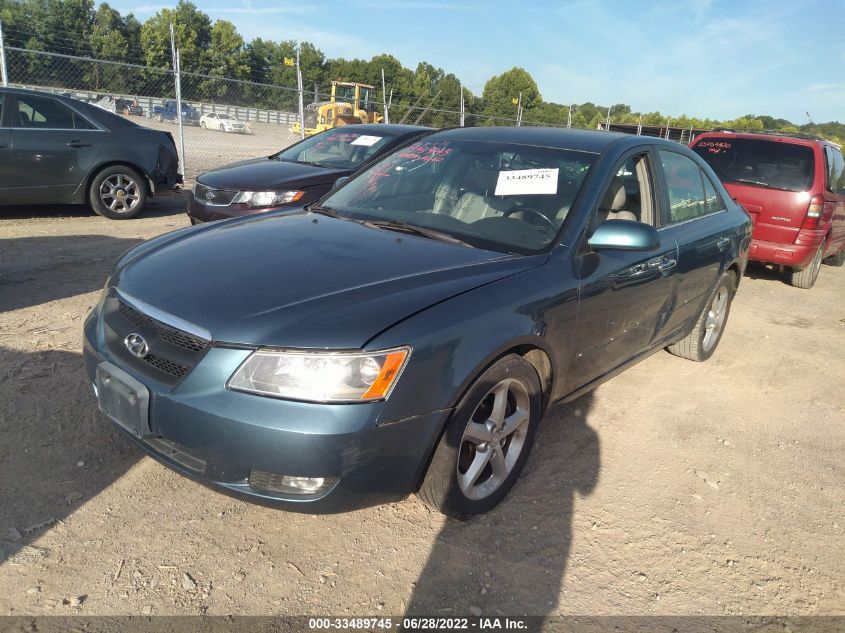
[701, 342]
[486, 441]
[807, 278]
[202, 124]
[118, 193]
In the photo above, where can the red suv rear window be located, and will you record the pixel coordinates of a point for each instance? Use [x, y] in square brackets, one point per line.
[759, 163]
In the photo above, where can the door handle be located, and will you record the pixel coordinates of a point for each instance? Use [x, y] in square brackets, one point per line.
[667, 265]
[76, 144]
[722, 243]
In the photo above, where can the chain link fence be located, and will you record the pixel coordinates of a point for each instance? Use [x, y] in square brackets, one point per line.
[223, 119]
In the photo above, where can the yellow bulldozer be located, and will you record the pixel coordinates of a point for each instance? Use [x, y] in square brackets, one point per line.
[325, 115]
[361, 96]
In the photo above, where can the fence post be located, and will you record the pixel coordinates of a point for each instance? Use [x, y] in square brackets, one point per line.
[301, 105]
[177, 78]
[463, 118]
[4, 79]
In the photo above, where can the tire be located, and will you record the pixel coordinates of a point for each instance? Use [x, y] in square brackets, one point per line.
[702, 341]
[836, 260]
[118, 193]
[194, 221]
[202, 124]
[496, 456]
[806, 278]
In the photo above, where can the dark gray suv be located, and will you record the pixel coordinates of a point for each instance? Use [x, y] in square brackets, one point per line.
[59, 150]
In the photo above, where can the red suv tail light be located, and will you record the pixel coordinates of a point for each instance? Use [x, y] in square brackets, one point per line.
[814, 213]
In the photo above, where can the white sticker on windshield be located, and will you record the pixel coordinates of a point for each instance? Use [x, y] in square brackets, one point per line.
[366, 141]
[527, 182]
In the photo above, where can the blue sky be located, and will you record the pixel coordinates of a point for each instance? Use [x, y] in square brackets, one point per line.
[707, 58]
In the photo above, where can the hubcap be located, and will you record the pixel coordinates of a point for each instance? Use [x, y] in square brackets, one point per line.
[715, 318]
[493, 439]
[120, 193]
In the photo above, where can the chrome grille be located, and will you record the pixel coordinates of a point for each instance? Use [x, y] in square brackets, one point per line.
[167, 333]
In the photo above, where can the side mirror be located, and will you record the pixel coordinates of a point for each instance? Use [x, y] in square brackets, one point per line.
[340, 181]
[624, 235]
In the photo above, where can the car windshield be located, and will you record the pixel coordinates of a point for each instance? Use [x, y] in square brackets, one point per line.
[759, 163]
[499, 196]
[340, 148]
[224, 116]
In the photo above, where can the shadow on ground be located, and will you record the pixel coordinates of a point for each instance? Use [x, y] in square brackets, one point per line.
[36, 270]
[57, 450]
[164, 205]
[513, 560]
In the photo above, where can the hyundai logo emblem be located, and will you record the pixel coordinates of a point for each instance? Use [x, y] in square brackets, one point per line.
[209, 195]
[136, 345]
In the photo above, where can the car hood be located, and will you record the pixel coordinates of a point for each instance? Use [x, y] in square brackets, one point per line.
[303, 280]
[260, 174]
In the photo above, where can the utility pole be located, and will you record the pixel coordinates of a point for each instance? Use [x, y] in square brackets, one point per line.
[519, 111]
[668, 123]
[4, 79]
[301, 105]
[569, 116]
[607, 121]
[384, 98]
[177, 78]
[462, 104]
[640, 126]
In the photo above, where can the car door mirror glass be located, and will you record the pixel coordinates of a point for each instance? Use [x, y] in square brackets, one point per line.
[624, 235]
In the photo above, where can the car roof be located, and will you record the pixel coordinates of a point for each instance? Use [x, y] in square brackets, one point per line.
[594, 141]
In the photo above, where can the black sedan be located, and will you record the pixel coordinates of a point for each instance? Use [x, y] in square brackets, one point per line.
[297, 175]
[408, 332]
[59, 150]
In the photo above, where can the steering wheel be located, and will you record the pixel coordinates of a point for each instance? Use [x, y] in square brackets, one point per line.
[547, 223]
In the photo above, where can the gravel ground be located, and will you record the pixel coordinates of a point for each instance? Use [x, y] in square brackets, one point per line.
[676, 488]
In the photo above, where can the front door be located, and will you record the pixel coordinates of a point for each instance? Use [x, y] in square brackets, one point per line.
[625, 296]
[54, 148]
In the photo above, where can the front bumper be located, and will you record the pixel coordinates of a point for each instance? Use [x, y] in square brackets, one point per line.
[222, 438]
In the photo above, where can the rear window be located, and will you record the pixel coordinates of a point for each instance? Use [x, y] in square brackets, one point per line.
[759, 163]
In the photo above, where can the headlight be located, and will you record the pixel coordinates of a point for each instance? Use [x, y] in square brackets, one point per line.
[321, 376]
[268, 198]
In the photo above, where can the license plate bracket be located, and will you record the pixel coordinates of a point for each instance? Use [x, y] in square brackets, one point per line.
[123, 399]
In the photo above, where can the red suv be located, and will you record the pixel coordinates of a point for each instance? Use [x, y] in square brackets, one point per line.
[794, 188]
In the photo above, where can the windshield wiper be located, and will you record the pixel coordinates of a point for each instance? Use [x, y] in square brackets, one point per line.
[760, 183]
[313, 208]
[404, 227]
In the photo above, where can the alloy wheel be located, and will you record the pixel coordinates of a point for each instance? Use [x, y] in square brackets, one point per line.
[120, 193]
[494, 439]
[715, 318]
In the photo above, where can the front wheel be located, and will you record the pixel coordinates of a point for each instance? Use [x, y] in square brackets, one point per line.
[806, 278]
[486, 441]
[836, 260]
[701, 342]
[118, 193]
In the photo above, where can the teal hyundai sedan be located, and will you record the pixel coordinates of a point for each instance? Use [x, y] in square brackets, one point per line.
[407, 332]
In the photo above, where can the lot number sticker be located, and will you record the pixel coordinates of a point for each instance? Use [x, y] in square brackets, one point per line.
[366, 141]
[521, 182]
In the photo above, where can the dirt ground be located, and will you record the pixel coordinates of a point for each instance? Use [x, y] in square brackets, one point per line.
[676, 488]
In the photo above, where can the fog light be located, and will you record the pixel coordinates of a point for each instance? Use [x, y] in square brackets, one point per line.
[288, 484]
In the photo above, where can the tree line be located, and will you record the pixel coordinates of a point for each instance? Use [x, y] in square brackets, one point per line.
[220, 66]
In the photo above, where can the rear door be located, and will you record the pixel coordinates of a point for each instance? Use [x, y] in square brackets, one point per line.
[693, 215]
[53, 148]
[5, 148]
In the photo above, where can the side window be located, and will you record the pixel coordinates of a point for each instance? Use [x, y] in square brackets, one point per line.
[835, 170]
[41, 113]
[712, 199]
[629, 196]
[686, 184]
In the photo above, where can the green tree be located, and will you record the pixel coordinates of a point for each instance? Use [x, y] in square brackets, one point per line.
[502, 91]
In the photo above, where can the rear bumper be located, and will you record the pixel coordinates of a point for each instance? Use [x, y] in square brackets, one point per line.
[796, 256]
[233, 441]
